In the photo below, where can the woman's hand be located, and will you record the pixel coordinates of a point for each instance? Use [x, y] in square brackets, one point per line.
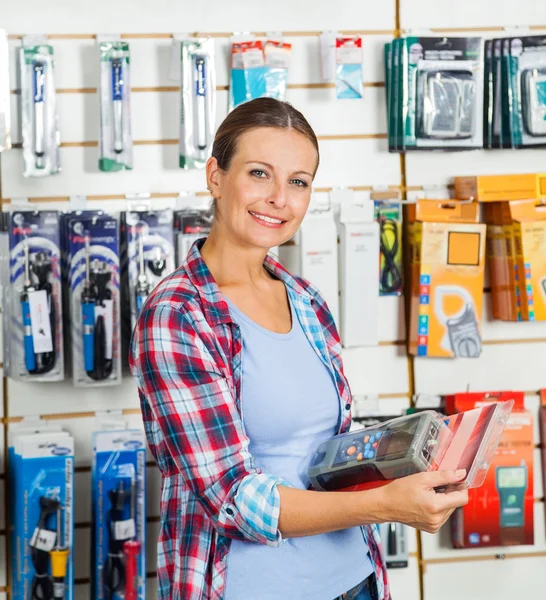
[413, 500]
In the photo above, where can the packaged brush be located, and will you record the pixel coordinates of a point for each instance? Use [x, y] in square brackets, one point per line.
[116, 143]
[198, 102]
[442, 100]
[34, 332]
[94, 297]
[148, 238]
[41, 137]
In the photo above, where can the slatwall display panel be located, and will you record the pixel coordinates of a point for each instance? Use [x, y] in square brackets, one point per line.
[365, 370]
[486, 580]
[215, 15]
[63, 397]
[392, 326]
[446, 376]
[404, 583]
[495, 330]
[419, 14]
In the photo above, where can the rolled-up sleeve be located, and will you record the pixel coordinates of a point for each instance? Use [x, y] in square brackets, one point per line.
[195, 411]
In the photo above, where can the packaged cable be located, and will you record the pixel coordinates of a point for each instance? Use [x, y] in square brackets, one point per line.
[389, 216]
[35, 320]
[527, 90]
[119, 515]
[93, 286]
[5, 99]
[442, 93]
[116, 142]
[42, 515]
[198, 102]
[148, 240]
[41, 137]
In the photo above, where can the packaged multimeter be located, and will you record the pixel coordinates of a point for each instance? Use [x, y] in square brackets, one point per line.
[191, 223]
[501, 511]
[41, 139]
[441, 80]
[116, 142]
[148, 241]
[5, 100]
[42, 515]
[118, 484]
[526, 72]
[198, 101]
[415, 443]
[93, 289]
[447, 264]
[33, 309]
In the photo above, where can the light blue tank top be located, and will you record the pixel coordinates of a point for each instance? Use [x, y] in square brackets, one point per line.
[290, 405]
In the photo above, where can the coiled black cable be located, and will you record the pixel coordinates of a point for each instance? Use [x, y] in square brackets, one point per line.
[103, 366]
[114, 566]
[391, 275]
[42, 585]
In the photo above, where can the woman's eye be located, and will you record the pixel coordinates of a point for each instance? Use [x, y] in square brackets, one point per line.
[258, 173]
[299, 182]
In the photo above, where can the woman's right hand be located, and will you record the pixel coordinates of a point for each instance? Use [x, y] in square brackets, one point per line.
[413, 500]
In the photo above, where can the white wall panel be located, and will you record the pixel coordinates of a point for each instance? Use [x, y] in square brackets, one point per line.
[404, 583]
[496, 330]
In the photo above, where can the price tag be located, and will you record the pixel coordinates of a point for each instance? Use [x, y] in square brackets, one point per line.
[124, 530]
[43, 539]
[39, 321]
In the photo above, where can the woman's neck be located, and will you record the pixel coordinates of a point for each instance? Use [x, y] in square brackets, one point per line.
[233, 264]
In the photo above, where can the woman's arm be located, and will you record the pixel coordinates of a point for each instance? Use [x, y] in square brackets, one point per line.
[411, 500]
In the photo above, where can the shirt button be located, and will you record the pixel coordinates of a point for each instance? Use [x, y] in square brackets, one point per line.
[347, 407]
[229, 511]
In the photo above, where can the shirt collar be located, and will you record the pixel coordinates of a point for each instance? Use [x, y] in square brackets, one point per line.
[215, 307]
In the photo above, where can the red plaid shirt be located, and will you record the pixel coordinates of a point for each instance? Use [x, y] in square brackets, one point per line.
[186, 357]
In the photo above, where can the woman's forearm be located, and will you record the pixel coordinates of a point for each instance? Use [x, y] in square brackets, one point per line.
[312, 513]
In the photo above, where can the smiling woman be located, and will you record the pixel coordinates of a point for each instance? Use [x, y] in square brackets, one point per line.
[240, 376]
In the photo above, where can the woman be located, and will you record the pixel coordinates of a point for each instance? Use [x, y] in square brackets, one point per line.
[240, 376]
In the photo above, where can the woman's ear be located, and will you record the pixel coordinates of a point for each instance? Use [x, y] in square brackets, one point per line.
[213, 177]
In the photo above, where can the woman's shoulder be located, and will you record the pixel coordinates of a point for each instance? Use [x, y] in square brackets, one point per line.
[175, 291]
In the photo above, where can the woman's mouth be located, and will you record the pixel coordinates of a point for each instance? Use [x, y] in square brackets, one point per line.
[266, 220]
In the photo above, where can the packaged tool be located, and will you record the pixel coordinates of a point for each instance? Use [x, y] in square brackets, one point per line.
[441, 85]
[42, 515]
[34, 311]
[388, 213]
[394, 539]
[415, 443]
[349, 80]
[247, 70]
[93, 286]
[501, 511]
[447, 263]
[118, 488]
[191, 223]
[358, 280]
[148, 240]
[116, 142]
[41, 138]
[198, 102]
[5, 96]
[277, 62]
[498, 188]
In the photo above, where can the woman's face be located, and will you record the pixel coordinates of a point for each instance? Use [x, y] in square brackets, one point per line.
[263, 196]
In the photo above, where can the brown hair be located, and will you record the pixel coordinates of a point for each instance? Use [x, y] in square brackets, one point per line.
[261, 112]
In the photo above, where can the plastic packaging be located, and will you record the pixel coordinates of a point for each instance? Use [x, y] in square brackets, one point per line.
[198, 102]
[349, 67]
[422, 441]
[93, 296]
[191, 223]
[277, 62]
[247, 71]
[116, 142]
[118, 483]
[41, 138]
[148, 239]
[389, 216]
[5, 99]
[34, 311]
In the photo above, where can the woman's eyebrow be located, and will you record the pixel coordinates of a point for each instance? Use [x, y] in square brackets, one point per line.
[260, 162]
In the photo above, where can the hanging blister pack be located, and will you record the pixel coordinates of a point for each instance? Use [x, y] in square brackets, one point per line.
[5, 100]
[118, 484]
[526, 74]
[148, 239]
[92, 281]
[349, 67]
[116, 142]
[192, 222]
[247, 71]
[198, 102]
[277, 62]
[34, 332]
[442, 101]
[41, 139]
